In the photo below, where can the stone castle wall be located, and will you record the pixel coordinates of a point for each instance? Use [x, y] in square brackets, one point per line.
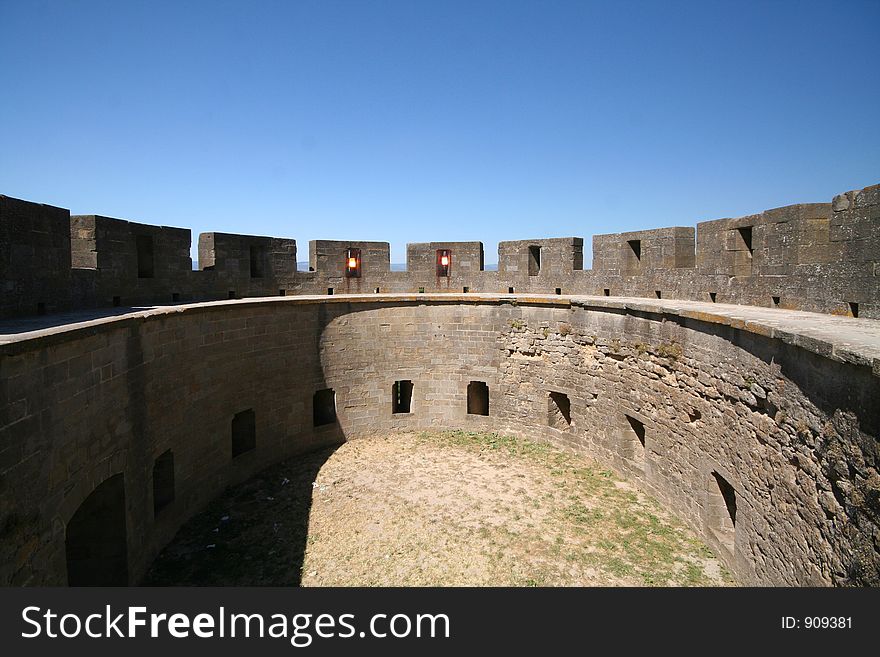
[678, 402]
[822, 257]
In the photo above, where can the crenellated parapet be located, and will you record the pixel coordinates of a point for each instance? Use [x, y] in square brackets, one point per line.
[820, 257]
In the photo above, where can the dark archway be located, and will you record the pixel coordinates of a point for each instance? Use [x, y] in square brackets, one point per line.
[96, 545]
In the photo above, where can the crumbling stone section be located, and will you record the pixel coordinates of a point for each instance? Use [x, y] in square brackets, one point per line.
[732, 417]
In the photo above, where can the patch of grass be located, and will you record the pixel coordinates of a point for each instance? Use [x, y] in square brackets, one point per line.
[624, 535]
[510, 511]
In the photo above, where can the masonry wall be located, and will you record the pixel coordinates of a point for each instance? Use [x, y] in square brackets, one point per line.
[819, 257]
[122, 263]
[34, 258]
[235, 266]
[794, 433]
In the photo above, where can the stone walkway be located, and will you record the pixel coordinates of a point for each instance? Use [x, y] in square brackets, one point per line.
[846, 339]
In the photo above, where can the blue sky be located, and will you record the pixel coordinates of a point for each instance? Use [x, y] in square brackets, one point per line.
[416, 121]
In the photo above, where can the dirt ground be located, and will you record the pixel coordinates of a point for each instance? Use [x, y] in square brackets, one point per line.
[437, 509]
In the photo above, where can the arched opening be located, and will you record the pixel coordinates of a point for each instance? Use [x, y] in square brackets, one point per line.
[96, 545]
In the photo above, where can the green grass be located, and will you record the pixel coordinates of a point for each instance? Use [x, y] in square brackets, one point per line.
[615, 529]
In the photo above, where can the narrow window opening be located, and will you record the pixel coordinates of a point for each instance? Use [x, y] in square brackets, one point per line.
[558, 290]
[606, 292]
[559, 411]
[329, 290]
[534, 260]
[444, 262]
[853, 309]
[144, 244]
[377, 290]
[510, 290]
[634, 445]
[465, 289]
[324, 407]
[658, 293]
[244, 432]
[775, 302]
[745, 235]
[638, 429]
[636, 247]
[712, 296]
[353, 263]
[163, 481]
[478, 398]
[721, 510]
[258, 261]
[401, 397]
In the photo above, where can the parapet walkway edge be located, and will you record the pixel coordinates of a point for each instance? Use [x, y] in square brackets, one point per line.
[844, 339]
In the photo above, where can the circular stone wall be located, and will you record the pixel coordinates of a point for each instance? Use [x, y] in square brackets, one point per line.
[767, 449]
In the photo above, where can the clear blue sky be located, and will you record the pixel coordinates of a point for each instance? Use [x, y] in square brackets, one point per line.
[416, 121]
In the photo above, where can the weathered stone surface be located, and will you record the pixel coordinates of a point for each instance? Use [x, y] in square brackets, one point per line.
[81, 402]
[820, 257]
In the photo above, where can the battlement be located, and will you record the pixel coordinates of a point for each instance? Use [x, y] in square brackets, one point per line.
[820, 256]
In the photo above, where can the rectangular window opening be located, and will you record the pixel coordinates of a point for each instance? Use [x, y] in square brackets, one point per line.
[745, 234]
[421, 290]
[377, 290]
[559, 411]
[401, 397]
[534, 260]
[510, 290]
[558, 290]
[244, 432]
[144, 244]
[713, 296]
[282, 293]
[231, 294]
[634, 445]
[353, 263]
[606, 292]
[465, 289]
[478, 398]
[638, 429]
[258, 261]
[163, 481]
[775, 302]
[721, 511]
[329, 290]
[636, 247]
[658, 293]
[324, 407]
[853, 309]
[444, 262]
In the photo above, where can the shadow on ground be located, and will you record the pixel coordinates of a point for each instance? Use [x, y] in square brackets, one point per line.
[254, 534]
